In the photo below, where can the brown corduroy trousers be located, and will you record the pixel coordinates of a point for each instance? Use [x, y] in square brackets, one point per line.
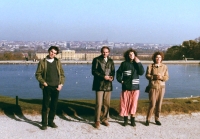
[102, 105]
[155, 102]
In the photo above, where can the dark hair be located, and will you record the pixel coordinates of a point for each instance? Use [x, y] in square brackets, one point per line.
[126, 54]
[105, 47]
[55, 48]
[157, 53]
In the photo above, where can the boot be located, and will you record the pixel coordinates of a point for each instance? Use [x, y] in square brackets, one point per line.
[133, 121]
[125, 120]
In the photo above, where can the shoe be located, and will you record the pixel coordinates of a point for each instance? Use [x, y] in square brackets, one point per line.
[147, 123]
[44, 127]
[125, 120]
[97, 124]
[105, 123]
[53, 125]
[158, 123]
[133, 121]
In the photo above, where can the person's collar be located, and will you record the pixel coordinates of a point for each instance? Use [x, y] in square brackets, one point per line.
[158, 65]
[49, 59]
[106, 59]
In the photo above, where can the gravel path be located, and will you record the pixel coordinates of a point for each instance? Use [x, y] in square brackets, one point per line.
[28, 127]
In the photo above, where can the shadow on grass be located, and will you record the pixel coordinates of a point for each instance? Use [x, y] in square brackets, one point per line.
[15, 112]
[75, 110]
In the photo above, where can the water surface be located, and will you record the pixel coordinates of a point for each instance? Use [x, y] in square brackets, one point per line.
[19, 80]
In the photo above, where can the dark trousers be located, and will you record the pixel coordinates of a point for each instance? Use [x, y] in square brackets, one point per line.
[50, 95]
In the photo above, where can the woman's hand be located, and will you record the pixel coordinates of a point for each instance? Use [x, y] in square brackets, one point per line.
[136, 59]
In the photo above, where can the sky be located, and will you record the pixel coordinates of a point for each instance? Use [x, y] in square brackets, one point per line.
[132, 21]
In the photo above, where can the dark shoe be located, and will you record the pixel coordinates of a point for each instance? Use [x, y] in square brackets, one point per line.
[105, 123]
[97, 124]
[125, 120]
[44, 127]
[53, 125]
[133, 121]
[158, 123]
[147, 123]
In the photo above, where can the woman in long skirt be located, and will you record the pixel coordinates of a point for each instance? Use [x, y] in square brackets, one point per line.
[128, 75]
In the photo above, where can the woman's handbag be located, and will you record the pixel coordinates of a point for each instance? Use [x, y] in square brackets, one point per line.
[147, 89]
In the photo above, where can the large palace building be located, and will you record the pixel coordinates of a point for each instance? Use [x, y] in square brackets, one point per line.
[70, 55]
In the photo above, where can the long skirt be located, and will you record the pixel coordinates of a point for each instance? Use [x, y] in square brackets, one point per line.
[128, 102]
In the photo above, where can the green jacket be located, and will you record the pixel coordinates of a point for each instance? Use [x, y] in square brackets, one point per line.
[42, 69]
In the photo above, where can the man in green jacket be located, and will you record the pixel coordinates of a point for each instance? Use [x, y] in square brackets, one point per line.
[51, 78]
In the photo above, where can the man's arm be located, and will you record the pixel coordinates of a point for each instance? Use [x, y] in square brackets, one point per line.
[95, 71]
[62, 77]
[39, 73]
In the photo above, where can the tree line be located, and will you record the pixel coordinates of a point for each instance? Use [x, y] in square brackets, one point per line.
[188, 49]
[17, 55]
[11, 56]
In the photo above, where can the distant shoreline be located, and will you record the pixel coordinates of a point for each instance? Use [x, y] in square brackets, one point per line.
[89, 62]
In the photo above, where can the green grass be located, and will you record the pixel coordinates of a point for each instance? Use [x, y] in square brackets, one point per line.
[86, 107]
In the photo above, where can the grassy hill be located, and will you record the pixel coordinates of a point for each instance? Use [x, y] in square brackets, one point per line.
[86, 107]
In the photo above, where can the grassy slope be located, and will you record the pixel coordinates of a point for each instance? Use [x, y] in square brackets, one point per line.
[86, 107]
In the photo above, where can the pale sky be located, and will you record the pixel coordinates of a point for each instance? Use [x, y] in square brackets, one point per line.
[133, 21]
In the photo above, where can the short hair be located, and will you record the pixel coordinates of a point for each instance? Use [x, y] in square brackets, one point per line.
[105, 47]
[126, 54]
[157, 53]
[55, 48]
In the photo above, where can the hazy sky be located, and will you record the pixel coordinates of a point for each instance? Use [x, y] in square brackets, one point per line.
[133, 21]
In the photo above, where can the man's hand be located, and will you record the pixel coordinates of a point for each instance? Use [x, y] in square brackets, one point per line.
[45, 84]
[106, 77]
[111, 78]
[59, 87]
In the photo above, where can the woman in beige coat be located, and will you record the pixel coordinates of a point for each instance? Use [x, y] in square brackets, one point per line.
[157, 74]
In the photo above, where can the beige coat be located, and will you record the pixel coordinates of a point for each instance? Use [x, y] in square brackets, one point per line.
[155, 70]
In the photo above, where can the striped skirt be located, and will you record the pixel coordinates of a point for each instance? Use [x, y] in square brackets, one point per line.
[128, 102]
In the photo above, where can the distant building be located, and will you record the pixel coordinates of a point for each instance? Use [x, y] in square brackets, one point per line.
[70, 55]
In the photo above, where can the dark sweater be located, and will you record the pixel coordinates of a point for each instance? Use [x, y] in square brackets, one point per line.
[52, 74]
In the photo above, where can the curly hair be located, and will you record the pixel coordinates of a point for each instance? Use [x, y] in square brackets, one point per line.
[55, 48]
[157, 53]
[126, 54]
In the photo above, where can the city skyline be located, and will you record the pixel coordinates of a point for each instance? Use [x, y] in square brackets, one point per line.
[133, 21]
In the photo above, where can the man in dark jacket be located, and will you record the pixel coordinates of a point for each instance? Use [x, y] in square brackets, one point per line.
[51, 78]
[103, 70]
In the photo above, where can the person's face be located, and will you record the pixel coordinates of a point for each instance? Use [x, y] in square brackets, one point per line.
[131, 56]
[52, 53]
[158, 59]
[105, 52]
